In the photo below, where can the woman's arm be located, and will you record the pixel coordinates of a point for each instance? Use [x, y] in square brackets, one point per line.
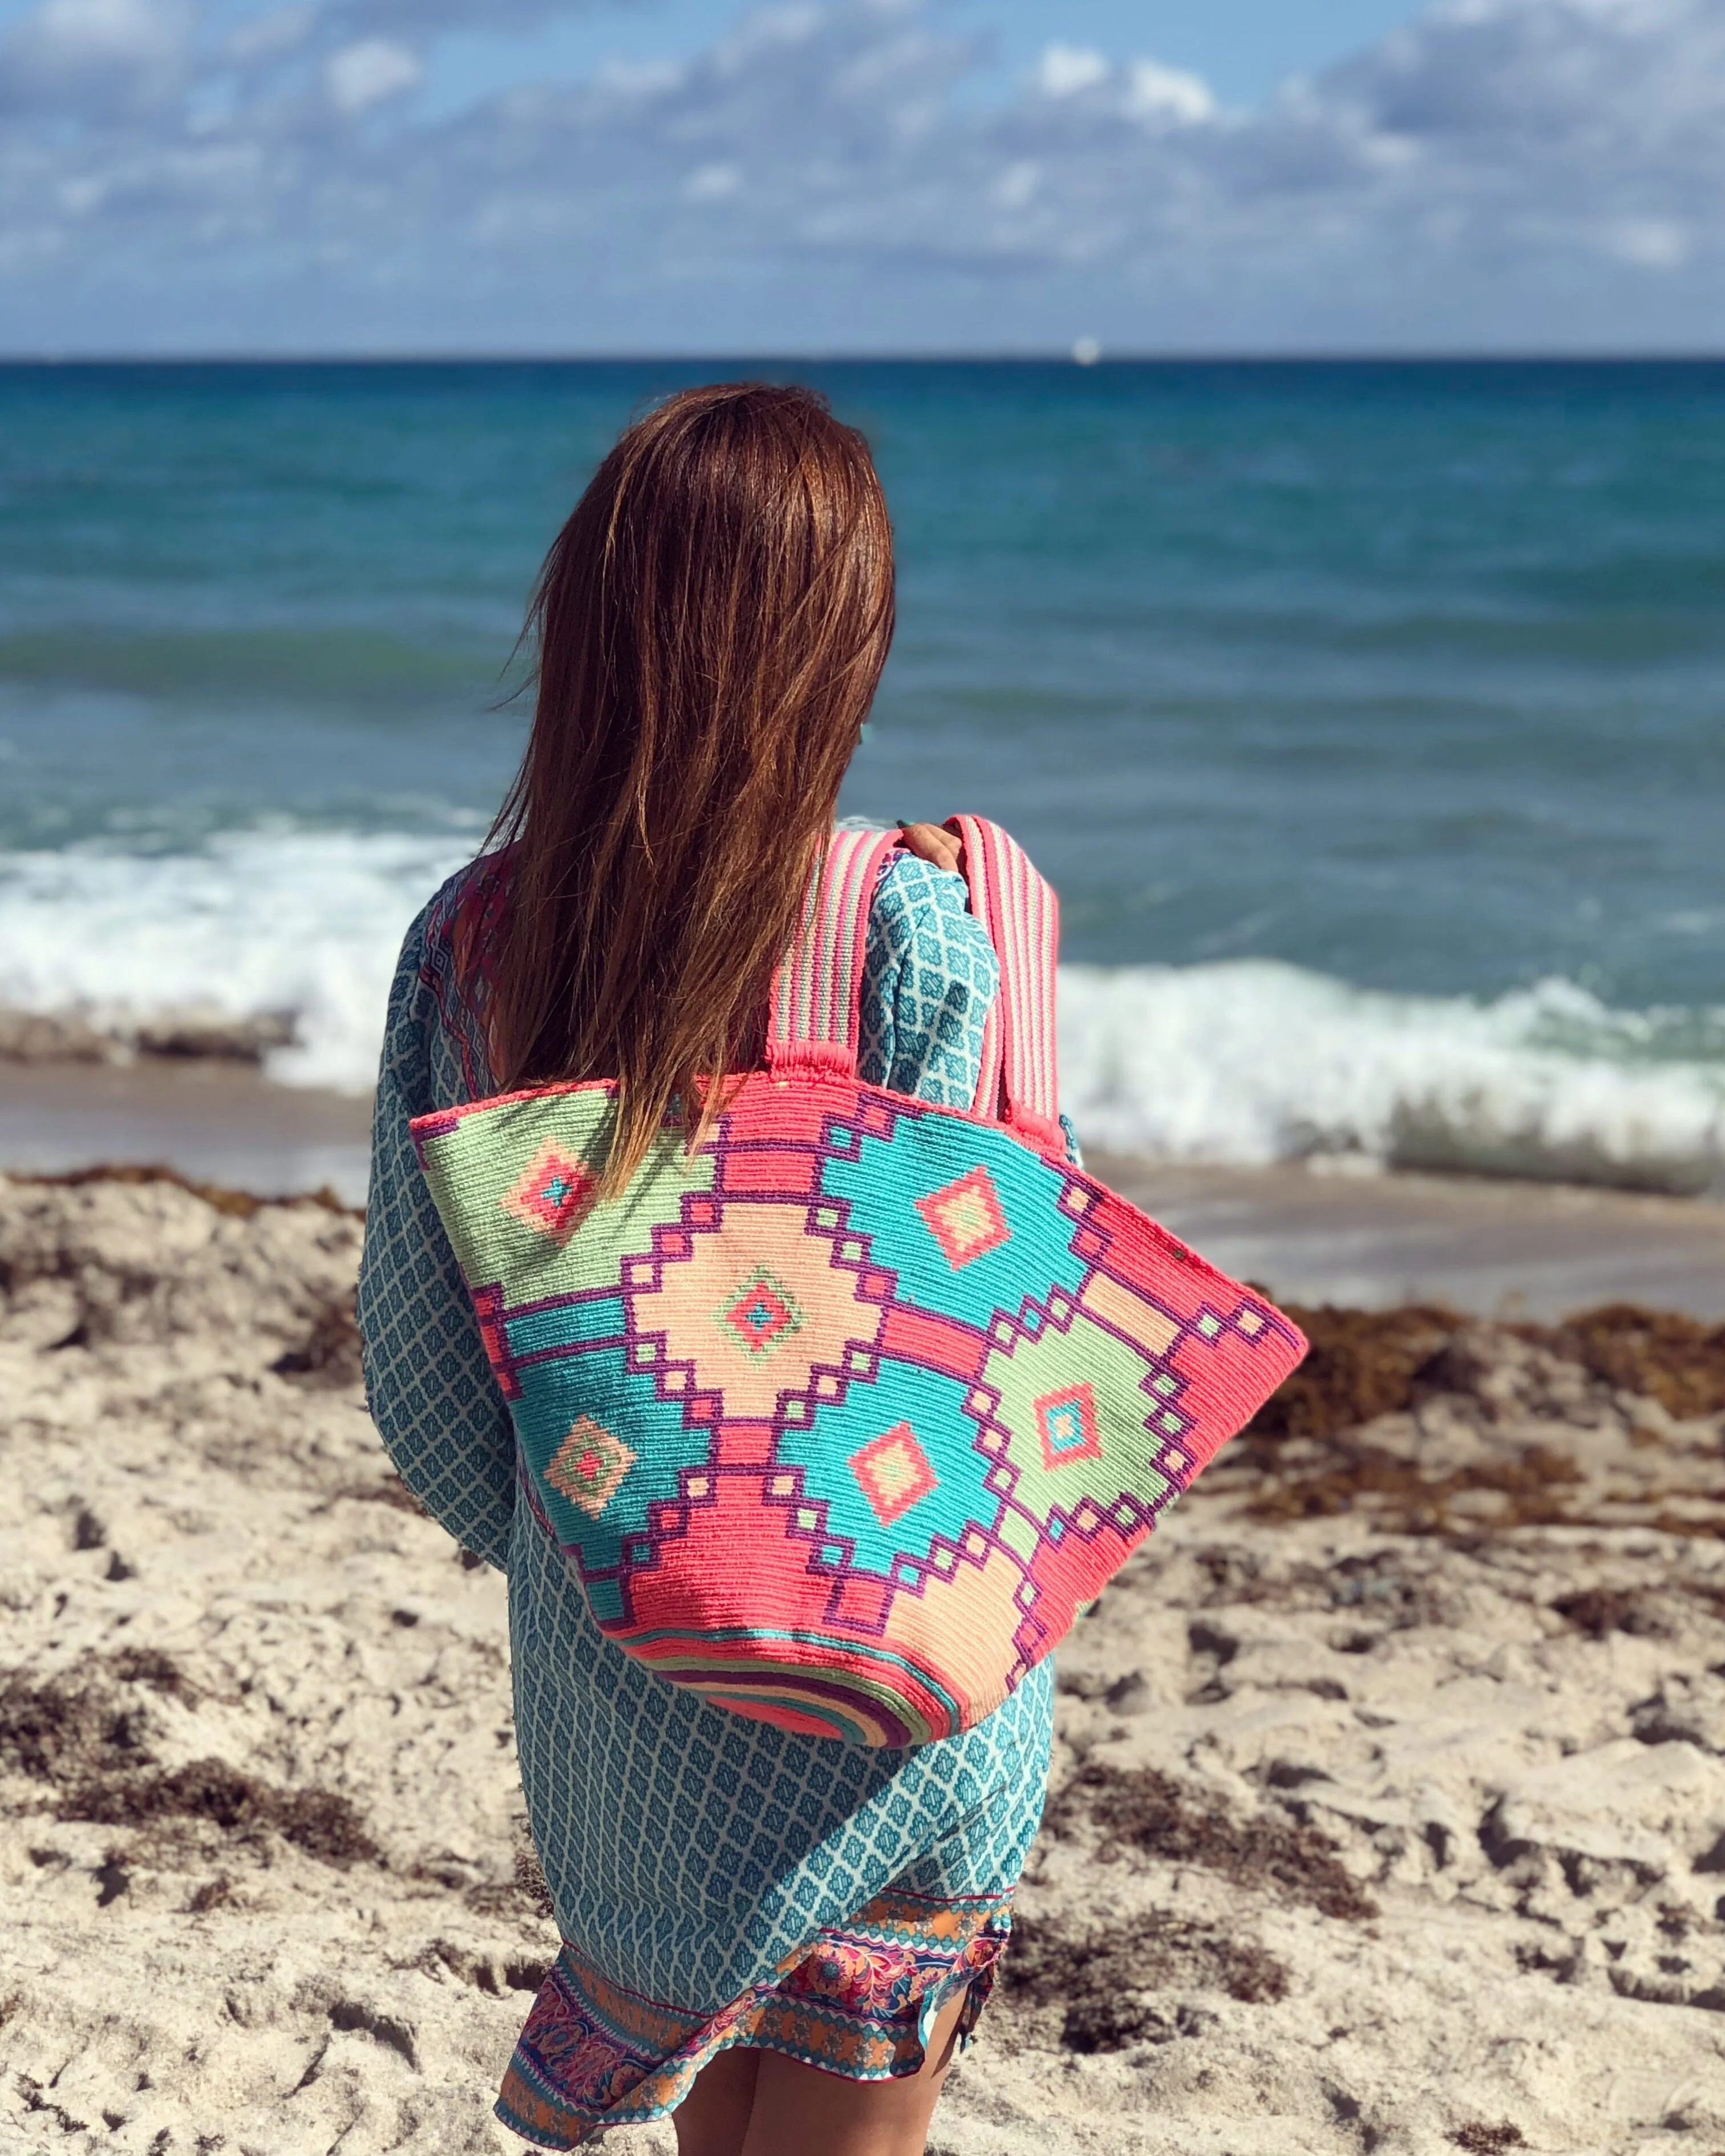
[433, 1397]
[930, 976]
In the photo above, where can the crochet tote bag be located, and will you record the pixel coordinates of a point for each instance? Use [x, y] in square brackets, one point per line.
[843, 1416]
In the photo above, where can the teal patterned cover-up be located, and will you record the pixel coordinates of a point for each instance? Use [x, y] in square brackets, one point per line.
[688, 1851]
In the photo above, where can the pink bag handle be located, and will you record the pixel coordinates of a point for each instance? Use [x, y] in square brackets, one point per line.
[815, 1023]
[815, 1020]
[1019, 1082]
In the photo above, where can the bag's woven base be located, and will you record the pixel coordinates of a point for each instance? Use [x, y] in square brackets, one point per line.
[858, 2001]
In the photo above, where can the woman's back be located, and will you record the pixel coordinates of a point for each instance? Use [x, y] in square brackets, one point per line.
[689, 1852]
[737, 1902]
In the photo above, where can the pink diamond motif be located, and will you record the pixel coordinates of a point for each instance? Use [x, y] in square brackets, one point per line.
[553, 1194]
[759, 1315]
[966, 1218]
[894, 1472]
[1066, 1424]
[589, 1465]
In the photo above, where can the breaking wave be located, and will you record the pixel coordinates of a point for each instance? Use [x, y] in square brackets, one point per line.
[1248, 1062]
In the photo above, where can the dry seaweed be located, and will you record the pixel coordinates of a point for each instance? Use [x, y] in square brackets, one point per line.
[1107, 1980]
[1660, 1354]
[1143, 1809]
[318, 1821]
[1307, 1456]
[1488, 2140]
[70, 1727]
[1362, 1363]
[329, 1356]
[1599, 1611]
[1366, 1363]
[148, 1666]
[241, 1205]
[1533, 1485]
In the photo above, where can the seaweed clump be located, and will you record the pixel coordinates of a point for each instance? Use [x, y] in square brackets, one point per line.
[1364, 1363]
[1361, 1364]
[329, 1356]
[1534, 1484]
[318, 1821]
[1599, 1611]
[1660, 1354]
[89, 1739]
[1309, 1454]
[1143, 1809]
[1107, 1980]
[70, 1728]
[238, 1204]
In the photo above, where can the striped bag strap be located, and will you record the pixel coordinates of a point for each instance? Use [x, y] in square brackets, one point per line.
[1021, 1073]
[815, 1022]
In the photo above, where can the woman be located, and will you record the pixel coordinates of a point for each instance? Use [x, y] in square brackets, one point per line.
[779, 1940]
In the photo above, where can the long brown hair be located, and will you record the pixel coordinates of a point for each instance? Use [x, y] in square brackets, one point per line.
[709, 628]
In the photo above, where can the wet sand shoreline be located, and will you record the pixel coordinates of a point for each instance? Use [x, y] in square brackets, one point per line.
[216, 1120]
[1491, 1248]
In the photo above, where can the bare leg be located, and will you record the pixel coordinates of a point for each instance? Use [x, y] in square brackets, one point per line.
[712, 2119]
[799, 2109]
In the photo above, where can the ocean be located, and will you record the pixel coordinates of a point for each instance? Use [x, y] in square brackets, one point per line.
[1370, 718]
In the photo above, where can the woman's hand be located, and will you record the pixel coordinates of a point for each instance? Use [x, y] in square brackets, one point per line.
[932, 843]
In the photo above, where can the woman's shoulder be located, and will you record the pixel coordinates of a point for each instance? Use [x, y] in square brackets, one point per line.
[450, 941]
[444, 965]
[466, 904]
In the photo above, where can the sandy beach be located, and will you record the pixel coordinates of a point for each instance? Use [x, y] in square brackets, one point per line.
[1388, 1812]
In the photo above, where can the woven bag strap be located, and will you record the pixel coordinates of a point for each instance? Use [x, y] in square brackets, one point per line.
[815, 1023]
[1020, 1071]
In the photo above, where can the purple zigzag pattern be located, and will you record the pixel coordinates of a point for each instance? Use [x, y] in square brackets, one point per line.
[828, 1217]
[674, 1377]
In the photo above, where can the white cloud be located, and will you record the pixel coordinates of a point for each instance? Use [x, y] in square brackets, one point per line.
[713, 184]
[1018, 184]
[364, 74]
[90, 55]
[74, 32]
[1651, 243]
[1534, 171]
[1065, 70]
[1158, 93]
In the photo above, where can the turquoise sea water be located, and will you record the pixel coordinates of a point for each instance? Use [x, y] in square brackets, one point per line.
[1371, 719]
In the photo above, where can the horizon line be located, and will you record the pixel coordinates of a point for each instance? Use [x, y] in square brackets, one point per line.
[1092, 358]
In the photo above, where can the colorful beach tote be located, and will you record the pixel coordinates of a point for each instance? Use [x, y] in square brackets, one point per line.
[843, 1416]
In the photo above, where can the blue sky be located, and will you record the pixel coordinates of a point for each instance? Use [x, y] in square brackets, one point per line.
[1244, 49]
[815, 176]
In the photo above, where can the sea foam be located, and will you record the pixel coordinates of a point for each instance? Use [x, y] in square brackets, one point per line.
[302, 924]
[1250, 1061]
[1253, 1061]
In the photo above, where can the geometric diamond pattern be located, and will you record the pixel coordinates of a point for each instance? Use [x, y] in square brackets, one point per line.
[894, 1472]
[1066, 1424]
[589, 1465]
[552, 1193]
[760, 1315]
[966, 1218]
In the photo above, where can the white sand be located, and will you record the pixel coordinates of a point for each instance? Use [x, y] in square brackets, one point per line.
[199, 1562]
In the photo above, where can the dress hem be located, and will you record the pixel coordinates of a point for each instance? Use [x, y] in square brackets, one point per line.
[859, 2002]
